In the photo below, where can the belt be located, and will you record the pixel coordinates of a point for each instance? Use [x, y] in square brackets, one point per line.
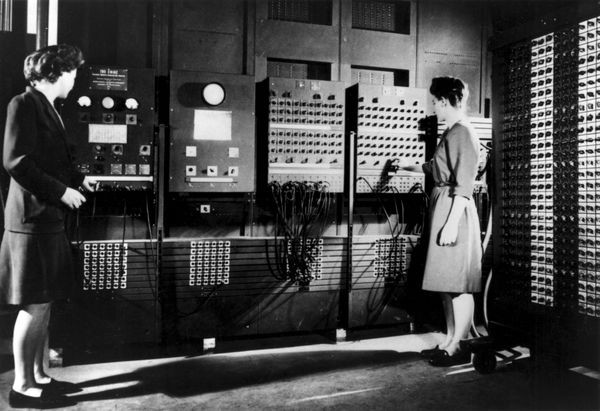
[444, 184]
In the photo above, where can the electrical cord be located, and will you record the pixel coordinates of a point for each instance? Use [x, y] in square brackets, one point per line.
[403, 230]
[387, 216]
[417, 187]
[484, 245]
[300, 212]
[154, 254]
[122, 255]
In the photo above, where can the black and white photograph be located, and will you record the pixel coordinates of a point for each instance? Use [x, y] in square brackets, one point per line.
[300, 205]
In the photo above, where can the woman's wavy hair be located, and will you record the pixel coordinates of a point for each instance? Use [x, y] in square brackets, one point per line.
[49, 63]
[453, 89]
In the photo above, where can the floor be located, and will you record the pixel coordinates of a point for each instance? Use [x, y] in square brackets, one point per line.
[382, 373]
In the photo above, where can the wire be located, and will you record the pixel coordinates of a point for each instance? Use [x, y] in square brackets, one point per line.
[403, 230]
[153, 255]
[301, 210]
[417, 187]
[380, 202]
[121, 263]
[94, 207]
[487, 165]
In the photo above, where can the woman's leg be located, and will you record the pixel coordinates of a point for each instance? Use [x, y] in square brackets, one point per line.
[28, 327]
[449, 316]
[463, 306]
[38, 364]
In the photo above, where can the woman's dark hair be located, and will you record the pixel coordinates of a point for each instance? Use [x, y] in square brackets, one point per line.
[451, 88]
[48, 63]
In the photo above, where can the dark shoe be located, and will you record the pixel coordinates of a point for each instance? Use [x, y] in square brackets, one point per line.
[443, 359]
[46, 400]
[430, 353]
[60, 387]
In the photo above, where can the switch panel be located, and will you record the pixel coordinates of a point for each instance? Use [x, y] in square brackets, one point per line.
[212, 129]
[209, 263]
[105, 266]
[541, 170]
[386, 129]
[549, 170]
[113, 137]
[306, 131]
[393, 256]
[588, 171]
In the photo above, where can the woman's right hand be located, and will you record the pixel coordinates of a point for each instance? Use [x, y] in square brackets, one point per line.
[72, 198]
[404, 164]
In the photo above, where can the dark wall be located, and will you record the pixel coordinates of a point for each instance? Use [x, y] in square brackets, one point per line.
[208, 36]
[452, 40]
[110, 32]
[236, 36]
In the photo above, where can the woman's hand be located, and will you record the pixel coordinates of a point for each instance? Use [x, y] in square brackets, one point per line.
[448, 234]
[404, 164]
[89, 184]
[401, 162]
[72, 198]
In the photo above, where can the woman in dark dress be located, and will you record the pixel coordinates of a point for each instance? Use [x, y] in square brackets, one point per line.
[453, 264]
[35, 258]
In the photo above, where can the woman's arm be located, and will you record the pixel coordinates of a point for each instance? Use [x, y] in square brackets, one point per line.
[417, 168]
[449, 232]
[463, 156]
[20, 139]
[19, 144]
[403, 164]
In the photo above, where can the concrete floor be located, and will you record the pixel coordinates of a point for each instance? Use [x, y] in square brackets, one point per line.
[377, 373]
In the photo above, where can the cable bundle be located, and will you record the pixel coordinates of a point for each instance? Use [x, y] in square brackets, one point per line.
[301, 210]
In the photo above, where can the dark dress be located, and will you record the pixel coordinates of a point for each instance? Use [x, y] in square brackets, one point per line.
[35, 259]
[454, 268]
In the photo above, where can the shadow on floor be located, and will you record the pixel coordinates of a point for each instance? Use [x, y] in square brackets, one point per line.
[196, 376]
[77, 355]
[6, 362]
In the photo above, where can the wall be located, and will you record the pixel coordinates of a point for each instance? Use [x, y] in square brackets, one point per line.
[452, 41]
[237, 36]
[109, 32]
[208, 36]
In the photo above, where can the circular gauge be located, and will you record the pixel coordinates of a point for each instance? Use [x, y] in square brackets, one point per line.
[108, 103]
[84, 101]
[213, 94]
[131, 104]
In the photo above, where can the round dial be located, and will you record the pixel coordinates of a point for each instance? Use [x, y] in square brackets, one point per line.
[213, 94]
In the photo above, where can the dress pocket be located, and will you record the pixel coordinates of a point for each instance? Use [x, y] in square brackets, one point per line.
[39, 211]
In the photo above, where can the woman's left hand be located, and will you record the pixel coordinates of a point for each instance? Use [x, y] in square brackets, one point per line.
[448, 235]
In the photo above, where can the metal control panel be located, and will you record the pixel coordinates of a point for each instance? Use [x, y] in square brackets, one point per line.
[212, 147]
[209, 263]
[105, 265]
[393, 256]
[588, 170]
[306, 131]
[110, 117]
[549, 212]
[387, 128]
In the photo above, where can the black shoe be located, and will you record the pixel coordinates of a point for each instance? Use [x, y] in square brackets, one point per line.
[60, 387]
[430, 353]
[46, 400]
[443, 359]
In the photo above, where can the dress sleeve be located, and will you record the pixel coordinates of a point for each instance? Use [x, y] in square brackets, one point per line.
[463, 156]
[19, 145]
